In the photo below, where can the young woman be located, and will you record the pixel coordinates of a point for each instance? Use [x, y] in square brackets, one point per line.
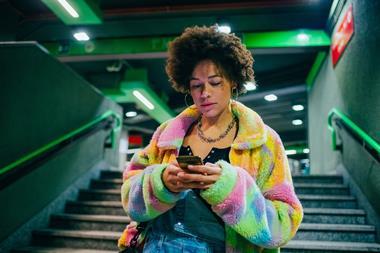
[242, 199]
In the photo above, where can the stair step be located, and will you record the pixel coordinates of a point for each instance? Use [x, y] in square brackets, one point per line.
[335, 179]
[106, 183]
[327, 201]
[334, 216]
[305, 246]
[100, 194]
[336, 232]
[95, 207]
[111, 174]
[89, 222]
[88, 239]
[319, 189]
[58, 250]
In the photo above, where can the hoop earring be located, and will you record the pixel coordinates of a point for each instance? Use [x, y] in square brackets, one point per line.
[186, 103]
[235, 93]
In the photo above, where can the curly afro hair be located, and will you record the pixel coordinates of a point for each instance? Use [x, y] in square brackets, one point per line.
[195, 44]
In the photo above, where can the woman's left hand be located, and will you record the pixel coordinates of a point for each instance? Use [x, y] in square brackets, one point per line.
[203, 176]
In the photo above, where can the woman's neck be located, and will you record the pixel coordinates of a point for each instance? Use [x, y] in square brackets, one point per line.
[220, 121]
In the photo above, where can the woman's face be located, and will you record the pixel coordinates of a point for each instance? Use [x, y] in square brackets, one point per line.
[211, 92]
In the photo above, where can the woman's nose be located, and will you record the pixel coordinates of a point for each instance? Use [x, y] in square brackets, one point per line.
[206, 91]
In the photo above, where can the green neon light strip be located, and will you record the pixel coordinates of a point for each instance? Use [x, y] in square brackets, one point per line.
[321, 56]
[68, 136]
[368, 139]
[296, 38]
[159, 44]
[88, 11]
[111, 46]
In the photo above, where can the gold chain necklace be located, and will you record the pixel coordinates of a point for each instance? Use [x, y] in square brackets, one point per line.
[209, 139]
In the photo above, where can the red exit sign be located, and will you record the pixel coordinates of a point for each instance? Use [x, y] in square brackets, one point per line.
[342, 35]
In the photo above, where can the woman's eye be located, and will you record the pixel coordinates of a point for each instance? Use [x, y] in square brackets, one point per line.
[195, 86]
[215, 83]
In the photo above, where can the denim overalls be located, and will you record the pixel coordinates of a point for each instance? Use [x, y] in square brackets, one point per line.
[190, 226]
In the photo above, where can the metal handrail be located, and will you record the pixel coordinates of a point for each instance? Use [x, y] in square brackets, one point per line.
[355, 128]
[67, 136]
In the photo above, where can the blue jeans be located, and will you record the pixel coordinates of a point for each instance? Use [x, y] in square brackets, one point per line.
[172, 243]
[190, 226]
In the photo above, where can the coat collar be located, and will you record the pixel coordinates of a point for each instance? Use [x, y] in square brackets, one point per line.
[251, 133]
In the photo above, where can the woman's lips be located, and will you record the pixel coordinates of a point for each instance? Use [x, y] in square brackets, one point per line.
[207, 105]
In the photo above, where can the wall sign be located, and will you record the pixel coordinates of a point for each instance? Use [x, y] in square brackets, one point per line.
[342, 35]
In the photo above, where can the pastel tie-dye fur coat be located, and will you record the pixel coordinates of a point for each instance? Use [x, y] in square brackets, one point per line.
[254, 195]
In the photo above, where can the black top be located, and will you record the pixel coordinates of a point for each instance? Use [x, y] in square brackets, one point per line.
[213, 156]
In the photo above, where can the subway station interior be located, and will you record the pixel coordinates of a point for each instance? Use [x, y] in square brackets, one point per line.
[83, 88]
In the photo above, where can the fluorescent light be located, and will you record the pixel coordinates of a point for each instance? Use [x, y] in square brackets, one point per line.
[291, 152]
[297, 107]
[270, 97]
[306, 150]
[131, 114]
[297, 122]
[250, 86]
[69, 8]
[143, 99]
[81, 36]
[224, 29]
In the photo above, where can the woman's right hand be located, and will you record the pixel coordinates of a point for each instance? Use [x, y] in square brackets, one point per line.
[170, 178]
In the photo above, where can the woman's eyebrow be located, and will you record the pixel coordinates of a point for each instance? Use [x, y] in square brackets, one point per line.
[194, 78]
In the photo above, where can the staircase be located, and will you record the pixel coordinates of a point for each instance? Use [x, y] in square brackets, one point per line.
[332, 220]
[93, 223]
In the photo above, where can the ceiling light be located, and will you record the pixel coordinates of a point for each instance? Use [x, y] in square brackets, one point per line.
[297, 107]
[303, 37]
[250, 86]
[297, 122]
[81, 36]
[69, 8]
[143, 99]
[291, 152]
[306, 150]
[224, 29]
[131, 114]
[270, 97]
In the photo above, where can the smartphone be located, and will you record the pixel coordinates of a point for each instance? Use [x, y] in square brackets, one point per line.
[186, 160]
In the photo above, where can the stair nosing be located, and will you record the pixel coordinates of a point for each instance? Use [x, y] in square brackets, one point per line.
[92, 217]
[317, 176]
[337, 227]
[334, 211]
[108, 180]
[102, 191]
[325, 197]
[61, 249]
[315, 185]
[95, 203]
[330, 245]
[90, 234]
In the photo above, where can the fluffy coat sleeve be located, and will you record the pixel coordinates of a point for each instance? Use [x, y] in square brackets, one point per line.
[143, 193]
[263, 209]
